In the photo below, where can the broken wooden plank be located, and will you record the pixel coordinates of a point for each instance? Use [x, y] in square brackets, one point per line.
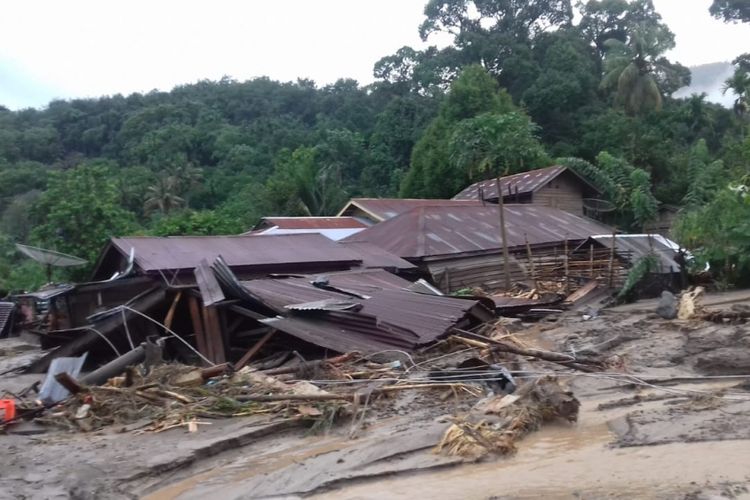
[208, 285]
[170, 314]
[214, 339]
[254, 350]
[200, 336]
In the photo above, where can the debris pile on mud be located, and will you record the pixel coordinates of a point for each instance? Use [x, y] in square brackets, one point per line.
[494, 426]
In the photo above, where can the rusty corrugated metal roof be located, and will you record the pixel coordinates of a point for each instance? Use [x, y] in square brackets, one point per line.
[386, 208]
[345, 332]
[281, 292]
[450, 230]
[186, 252]
[403, 319]
[522, 183]
[310, 223]
[429, 316]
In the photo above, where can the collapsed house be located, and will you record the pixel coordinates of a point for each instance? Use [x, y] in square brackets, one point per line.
[460, 246]
[230, 298]
[666, 265]
[554, 187]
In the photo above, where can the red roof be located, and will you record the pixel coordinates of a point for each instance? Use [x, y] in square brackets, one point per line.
[450, 230]
[310, 223]
[385, 208]
[522, 183]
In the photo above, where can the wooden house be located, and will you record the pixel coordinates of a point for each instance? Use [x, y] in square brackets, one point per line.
[555, 187]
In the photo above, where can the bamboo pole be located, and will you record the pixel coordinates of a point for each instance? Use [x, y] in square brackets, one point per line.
[591, 261]
[506, 258]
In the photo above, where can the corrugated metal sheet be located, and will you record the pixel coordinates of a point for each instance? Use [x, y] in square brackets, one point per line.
[450, 230]
[525, 182]
[48, 293]
[310, 223]
[281, 292]
[386, 208]
[186, 252]
[373, 256]
[389, 317]
[367, 281]
[6, 310]
[346, 332]
[522, 183]
[637, 246]
[51, 390]
[429, 316]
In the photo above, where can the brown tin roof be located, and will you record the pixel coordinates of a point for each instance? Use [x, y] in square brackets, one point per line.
[450, 230]
[521, 183]
[310, 223]
[382, 209]
[186, 252]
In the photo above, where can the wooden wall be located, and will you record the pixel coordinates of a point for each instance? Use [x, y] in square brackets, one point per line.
[565, 192]
[550, 264]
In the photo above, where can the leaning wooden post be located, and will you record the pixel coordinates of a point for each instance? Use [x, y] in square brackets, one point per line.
[612, 259]
[565, 265]
[506, 257]
[531, 261]
[591, 261]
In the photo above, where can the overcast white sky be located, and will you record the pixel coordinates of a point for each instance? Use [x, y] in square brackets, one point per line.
[86, 48]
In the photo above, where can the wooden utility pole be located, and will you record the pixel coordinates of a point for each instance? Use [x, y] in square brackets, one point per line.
[612, 259]
[506, 258]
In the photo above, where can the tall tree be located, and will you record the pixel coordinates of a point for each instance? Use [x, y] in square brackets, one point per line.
[731, 10]
[431, 174]
[495, 144]
[80, 211]
[633, 68]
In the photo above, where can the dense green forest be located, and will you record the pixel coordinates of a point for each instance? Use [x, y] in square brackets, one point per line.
[521, 86]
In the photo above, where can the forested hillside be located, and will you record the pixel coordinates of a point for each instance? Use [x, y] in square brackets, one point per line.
[521, 86]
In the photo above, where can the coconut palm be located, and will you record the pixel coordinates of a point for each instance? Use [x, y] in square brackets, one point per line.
[162, 197]
[631, 67]
[739, 83]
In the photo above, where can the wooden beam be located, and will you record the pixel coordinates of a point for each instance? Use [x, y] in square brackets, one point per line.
[254, 350]
[506, 257]
[200, 336]
[214, 339]
[170, 314]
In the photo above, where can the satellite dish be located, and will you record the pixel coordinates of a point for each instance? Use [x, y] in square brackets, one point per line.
[598, 206]
[49, 258]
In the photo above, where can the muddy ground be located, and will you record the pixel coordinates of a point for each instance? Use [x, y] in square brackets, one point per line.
[680, 429]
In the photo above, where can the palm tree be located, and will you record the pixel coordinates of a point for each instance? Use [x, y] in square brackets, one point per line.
[184, 176]
[630, 69]
[739, 83]
[162, 197]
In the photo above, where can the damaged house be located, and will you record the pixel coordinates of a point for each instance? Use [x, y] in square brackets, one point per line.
[460, 246]
[231, 298]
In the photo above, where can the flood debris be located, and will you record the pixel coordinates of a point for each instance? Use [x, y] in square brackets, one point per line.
[496, 425]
